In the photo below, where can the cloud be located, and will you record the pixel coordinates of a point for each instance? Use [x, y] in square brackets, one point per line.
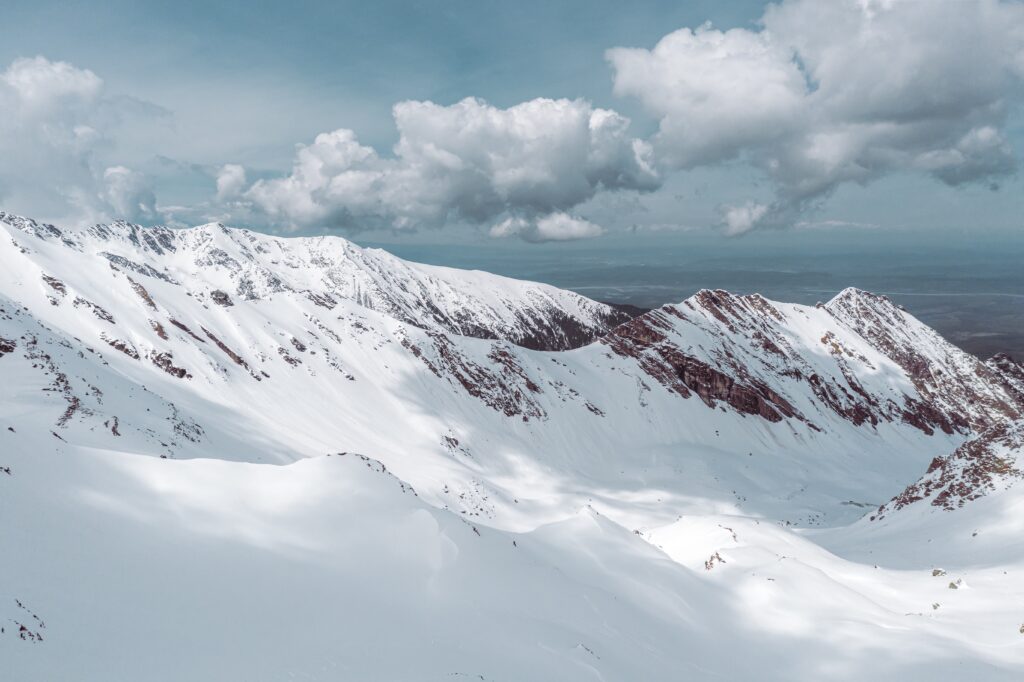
[714, 92]
[56, 132]
[230, 181]
[129, 194]
[553, 227]
[740, 219]
[826, 93]
[466, 162]
[39, 83]
[814, 96]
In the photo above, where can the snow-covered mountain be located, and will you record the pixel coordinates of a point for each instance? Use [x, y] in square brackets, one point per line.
[859, 357]
[220, 263]
[300, 458]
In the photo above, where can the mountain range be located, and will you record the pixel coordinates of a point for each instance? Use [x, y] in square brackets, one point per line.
[229, 455]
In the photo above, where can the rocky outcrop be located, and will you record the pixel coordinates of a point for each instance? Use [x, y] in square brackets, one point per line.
[980, 467]
[502, 383]
[221, 298]
[123, 346]
[1010, 372]
[165, 361]
[644, 340]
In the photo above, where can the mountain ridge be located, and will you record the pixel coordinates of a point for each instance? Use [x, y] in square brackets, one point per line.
[254, 265]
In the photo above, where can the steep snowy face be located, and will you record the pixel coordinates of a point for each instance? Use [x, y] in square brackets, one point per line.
[859, 357]
[223, 263]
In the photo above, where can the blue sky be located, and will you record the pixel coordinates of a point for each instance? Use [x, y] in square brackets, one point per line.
[183, 90]
[315, 66]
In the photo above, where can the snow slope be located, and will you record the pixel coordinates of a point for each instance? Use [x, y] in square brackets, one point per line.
[177, 407]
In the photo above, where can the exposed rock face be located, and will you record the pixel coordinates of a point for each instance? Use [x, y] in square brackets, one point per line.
[501, 383]
[221, 298]
[681, 373]
[1010, 372]
[979, 467]
[143, 293]
[165, 361]
[123, 346]
[781, 361]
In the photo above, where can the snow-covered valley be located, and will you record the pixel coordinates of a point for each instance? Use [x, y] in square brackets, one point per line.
[225, 455]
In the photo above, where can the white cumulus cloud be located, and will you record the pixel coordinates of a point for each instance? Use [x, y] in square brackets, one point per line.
[56, 127]
[230, 181]
[469, 161]
[740, 219]
[825, 93]
[129, 195]
[714, 92]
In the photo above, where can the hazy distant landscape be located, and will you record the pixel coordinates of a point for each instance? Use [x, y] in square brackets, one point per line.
[970, 288]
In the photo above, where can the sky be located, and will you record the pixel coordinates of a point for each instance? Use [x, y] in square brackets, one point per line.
[527, 123]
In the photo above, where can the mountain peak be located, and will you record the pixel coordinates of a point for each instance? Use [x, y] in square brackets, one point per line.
[852, 300]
